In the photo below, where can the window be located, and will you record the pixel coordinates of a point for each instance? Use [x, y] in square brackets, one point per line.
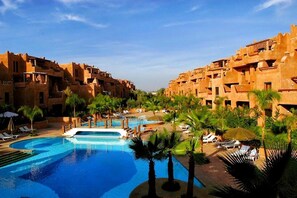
[6, 98]
[243, 72]
[41, 98]
[15, 66]
[267, 85]
[217, 91]
[196, 92]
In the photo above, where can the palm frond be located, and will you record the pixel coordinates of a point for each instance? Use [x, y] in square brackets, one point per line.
[246, 175]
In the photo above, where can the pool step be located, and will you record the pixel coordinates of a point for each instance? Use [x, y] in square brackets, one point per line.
[13, 157]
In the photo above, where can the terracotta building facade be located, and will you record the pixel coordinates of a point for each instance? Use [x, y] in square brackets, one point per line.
[29, 80]
[266, 64]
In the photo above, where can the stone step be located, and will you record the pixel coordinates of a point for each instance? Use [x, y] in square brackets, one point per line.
[13, 157]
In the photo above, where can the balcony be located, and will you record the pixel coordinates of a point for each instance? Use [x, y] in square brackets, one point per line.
[242, 88]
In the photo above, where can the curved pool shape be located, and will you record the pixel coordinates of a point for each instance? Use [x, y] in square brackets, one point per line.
[87, 169]
[37, 143]
[98, 134]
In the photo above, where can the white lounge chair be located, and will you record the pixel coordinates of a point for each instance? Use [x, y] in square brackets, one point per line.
[4, 137]
[233, 144]
[24, 130]
[184, 127]
[212, 138]
[11, 136]
[242, 151]
[205, 137]
[253, 155]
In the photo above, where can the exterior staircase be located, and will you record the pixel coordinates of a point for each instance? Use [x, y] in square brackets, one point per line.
[13, 157]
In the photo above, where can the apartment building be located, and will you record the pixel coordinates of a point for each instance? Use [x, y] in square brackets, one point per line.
[266, 64]
[29, 80]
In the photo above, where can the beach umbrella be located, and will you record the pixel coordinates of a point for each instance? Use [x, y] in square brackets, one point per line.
[239, 134]
[8, 114]
[10, 126]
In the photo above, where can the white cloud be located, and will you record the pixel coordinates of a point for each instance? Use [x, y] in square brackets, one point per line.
[270, 3]
[9, 5]
[194, 8]
[76, 18]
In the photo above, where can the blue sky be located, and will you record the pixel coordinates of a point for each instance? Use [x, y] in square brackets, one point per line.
[146, 41]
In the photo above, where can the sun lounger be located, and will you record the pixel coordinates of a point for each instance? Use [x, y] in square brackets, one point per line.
[24, 130]
[212, 138]
[4, 137]
[242, 151]
[205, 137]
[253, 155]
[184, 127]
[11, 136]
[220, 143]
[233, 144]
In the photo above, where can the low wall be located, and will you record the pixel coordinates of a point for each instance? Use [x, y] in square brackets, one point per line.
[40, 125]
[65, 120]
[153, 124]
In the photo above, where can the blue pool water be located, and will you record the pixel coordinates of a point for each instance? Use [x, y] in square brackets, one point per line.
[98, 134]
[78, 167]
[117, 123]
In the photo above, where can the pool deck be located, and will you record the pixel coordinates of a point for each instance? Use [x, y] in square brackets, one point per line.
[212, 174]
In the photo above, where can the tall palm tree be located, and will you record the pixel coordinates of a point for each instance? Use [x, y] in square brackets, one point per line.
[153, 104]
[291, 123]
[264, 99]
[197, 120]
[170, 141]
[73, 100]
[98, 105]
[151, 150]
[190, 186]
[276, 178]
[30, 113]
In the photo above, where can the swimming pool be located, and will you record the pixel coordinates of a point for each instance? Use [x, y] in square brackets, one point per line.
[132, 123]
[83, 168]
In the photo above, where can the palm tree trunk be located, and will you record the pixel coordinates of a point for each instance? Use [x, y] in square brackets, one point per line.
[289, 136]
[201, 143]
[74, 111]
[170, 169]
[190, 187]
[152, 180]
[263, 134]
[32, 125]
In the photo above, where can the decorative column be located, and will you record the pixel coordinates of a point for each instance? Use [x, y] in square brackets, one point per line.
[122, 124]
[89, 123]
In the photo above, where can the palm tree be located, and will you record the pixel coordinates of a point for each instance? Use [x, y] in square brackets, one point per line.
[153, 105]
[276, 178]
[190, 186]
[291, 123]
[30, 113]
[170, 141]
[73, 100]
[98, 105]
[197, 120]
[264, 99]
[151, 150]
